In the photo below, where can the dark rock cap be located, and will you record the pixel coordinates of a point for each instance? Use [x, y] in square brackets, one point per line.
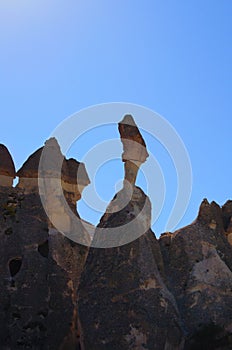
[30, 167]
[134, 146]
[72, 171]
[53, 156]
[7, 167]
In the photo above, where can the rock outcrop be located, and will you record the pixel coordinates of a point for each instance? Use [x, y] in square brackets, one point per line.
[134, 148]
[40, 267]
[7, 168]
[55, 166]
[198, 267]
[123, 301]
[128, 290]
[227, 220]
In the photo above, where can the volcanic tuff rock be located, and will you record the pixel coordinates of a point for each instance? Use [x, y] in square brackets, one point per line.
[123, 301]
[134, 147]
[198, 267]
[7, 168]
[227, 220]
[40, 269]
[53, 165]
[142, 293]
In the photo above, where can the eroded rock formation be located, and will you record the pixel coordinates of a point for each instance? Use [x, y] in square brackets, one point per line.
[40, 267]
[7, 168]
[198, 267]
[141, 293]
[123, 301]
[134, 148]
[57, 168]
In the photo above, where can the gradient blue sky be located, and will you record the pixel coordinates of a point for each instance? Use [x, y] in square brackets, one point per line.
[173, 57]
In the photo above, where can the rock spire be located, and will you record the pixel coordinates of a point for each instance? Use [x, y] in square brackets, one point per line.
[134, 148]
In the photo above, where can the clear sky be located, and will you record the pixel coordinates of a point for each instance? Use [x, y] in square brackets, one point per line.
[173, 57]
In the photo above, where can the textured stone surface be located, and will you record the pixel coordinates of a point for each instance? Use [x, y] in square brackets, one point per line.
[168, 294]
[39, 273]
[123, 300]
[55, 166]
[7, 168]
[227, 220]
[134, 147]
[198, 265]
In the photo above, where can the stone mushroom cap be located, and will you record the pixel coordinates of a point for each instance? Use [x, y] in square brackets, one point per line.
[52, 158]
[134, 147]
[74, 172]
[7, 167]
[54, 165]
[30, 167]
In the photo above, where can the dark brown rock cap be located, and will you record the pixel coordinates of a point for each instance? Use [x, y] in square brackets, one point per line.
[134, 147]
[7, 167]
[75, 172]
[52, 160]
[48, 161]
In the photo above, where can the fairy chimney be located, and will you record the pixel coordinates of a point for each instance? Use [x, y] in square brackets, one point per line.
[134, 148]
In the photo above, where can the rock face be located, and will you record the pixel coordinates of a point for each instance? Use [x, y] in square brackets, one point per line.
[123, 300]
[129, 290]
[7, 168]
[40, 268]
[198, 267]
[227, 220]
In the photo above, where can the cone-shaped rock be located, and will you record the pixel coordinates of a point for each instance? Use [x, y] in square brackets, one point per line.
[123, 301]
[7, 168]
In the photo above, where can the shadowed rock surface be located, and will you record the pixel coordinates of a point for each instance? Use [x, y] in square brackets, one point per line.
[227, 220]
[198, 266]
[142, 293]
[7, 168]
[40, 269]
[123, 300]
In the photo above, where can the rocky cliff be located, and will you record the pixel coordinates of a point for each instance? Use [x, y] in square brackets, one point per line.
[124, 289]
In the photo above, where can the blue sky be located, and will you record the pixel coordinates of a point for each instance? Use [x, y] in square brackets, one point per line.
[173, 57]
